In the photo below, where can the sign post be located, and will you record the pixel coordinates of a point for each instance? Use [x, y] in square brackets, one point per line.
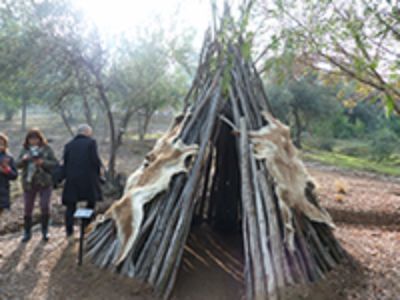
[83, 214]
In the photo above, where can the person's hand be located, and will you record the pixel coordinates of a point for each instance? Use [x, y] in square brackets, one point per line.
[25, 157]
[38, 162]
[6, 169]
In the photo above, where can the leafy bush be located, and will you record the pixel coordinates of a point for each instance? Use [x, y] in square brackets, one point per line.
[383, 144]
[394, 124]
[341, 128]
[322, 128]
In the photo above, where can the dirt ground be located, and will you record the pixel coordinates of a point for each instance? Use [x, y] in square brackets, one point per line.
[368, 227]
[367, 216]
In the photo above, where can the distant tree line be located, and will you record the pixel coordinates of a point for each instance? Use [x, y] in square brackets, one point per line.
[51, 55]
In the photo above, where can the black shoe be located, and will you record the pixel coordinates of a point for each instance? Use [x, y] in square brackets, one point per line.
[45, 227]
[26, 237]
[69, 231]
[27, 229]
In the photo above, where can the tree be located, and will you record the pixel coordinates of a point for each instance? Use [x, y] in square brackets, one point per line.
[69, 64]
[15, 70]
[145, 79]
[356, 40]
[301, 103]
[168, 92]
[8, 105]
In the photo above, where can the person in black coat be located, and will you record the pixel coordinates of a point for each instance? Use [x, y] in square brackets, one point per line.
[8, 172]
[81, 171]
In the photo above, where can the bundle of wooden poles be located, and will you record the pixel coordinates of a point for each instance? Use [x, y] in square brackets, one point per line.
[225, 182]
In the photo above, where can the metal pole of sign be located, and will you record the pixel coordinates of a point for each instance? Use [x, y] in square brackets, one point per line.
[81, 242]
[83, 214]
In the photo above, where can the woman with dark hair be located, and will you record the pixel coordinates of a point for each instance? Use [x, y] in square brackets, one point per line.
[7, 172]
[37, 161]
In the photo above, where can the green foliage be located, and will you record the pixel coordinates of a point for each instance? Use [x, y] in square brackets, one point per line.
[50, 53]
[389, 105]
[359, 121]
[383, 144]
[346, 39]
[280, 98]
[370, 115]
[8, 108]
[343, 129]
[246, 49]
[393, 123]
[346, 43]
[304, 104]
[360, 132]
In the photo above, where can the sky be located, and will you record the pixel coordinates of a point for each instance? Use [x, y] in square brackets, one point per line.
[116, 16]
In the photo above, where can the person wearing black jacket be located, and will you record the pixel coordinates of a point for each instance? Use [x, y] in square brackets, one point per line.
[8, 172]
[81, 171]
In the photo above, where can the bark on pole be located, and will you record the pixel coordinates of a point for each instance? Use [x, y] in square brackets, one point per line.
[251, 232]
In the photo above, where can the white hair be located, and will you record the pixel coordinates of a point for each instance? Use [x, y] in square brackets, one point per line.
[84, 129]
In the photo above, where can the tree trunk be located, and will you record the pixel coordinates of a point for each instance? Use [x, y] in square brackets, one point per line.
[123, 127]
[140, 127]
[111, 123]
[86, 107]
[146, 122]
[87, 111]
[24, 113]
[64, 118]
[298, 129]
[144, 119]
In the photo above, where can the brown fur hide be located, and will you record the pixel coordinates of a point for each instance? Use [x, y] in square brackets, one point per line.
[273, 145]
[153, 177]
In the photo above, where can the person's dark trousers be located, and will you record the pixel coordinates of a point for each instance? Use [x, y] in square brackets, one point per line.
[27, 229]
[69, 216]
[45, 227]
[29, 202]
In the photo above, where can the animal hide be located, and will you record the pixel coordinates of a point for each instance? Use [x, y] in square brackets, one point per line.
[153, 177]
[273, 145]
[168, 138]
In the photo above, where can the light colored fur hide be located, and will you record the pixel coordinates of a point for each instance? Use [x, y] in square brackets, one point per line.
[153, 177]
[273, 145]
[168, 138]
